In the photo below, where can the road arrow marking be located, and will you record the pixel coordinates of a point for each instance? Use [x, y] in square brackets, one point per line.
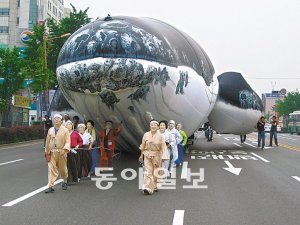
[232, 169]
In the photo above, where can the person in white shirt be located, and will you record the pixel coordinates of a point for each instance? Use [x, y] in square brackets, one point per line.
[66, 119]
[178, 139]
[170, 141]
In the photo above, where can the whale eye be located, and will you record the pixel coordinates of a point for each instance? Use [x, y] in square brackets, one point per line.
[113, 43]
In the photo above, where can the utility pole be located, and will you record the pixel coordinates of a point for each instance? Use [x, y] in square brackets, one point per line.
[45, 40]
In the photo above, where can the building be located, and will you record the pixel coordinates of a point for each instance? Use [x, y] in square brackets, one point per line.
[8, 22]
[269, 101]
[18, 17]
[50, 9]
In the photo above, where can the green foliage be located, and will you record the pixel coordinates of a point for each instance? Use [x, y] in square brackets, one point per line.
[16, 134]
[35, 63]
[69, 24]
[289, 104]
[11, 70]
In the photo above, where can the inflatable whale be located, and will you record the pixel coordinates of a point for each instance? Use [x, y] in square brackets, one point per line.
[135, 69]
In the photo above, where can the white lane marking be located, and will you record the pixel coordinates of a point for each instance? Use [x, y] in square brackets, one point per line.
[193, 157]
[296, 178]
[184, 170]
[178, 217]
[17, 160]
[289, 138]
[226, 138]
[237, 145]
[220, 135]
[24, 197]
[250, 145]
[261, 158]
[20, 145]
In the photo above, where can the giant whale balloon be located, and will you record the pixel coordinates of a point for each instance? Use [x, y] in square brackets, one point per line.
[135, 69]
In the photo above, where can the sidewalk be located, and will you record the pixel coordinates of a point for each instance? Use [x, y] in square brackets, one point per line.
[5, 146]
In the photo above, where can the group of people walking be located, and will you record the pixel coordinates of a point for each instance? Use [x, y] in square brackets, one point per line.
[162, 149]
[74, 153]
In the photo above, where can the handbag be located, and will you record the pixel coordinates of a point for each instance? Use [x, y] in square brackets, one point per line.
[48, 156]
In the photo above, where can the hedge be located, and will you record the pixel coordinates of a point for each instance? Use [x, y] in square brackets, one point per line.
[21, 133]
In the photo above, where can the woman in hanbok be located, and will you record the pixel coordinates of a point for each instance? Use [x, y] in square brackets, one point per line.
[95, 151]
[86, 151]
[151, 150]
[169, 140]
[73, 160]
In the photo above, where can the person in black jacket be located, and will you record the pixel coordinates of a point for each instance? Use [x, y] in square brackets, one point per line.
[273, 131]
[261, 132]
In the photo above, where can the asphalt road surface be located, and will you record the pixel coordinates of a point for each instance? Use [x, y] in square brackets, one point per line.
[222, 182]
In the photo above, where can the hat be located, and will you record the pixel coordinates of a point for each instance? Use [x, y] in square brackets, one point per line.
[57, 115]
[69, 122]
[172, 122]
[81, 125]
[66, 114]
[154, 122]
[108, 121]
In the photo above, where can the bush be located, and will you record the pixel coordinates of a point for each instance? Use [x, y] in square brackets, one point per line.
[16, 134]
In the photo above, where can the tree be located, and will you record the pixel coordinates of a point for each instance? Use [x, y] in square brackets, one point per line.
[70, 24]
[11, 70]
[34, 67]
[35, 64]
[289, 104]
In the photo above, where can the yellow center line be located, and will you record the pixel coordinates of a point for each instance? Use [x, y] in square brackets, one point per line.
[289, 147]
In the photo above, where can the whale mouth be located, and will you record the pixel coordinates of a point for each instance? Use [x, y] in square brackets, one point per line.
[103, 74]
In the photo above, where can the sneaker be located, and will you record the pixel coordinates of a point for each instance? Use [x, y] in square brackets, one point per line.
[147, 192]
[49, 190]
[64, 186]
[276, 144]
[155, 189]
[262, 149]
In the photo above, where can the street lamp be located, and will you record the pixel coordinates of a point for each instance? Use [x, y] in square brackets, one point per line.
[45, 40]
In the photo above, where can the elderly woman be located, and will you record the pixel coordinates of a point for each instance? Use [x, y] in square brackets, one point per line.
[169, 140]
[85, 152]
[178, 139]
[181, 145]
[151, 150]
[95, 152]
[73, 159]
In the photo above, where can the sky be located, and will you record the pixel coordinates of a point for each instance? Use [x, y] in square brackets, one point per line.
[258, 38]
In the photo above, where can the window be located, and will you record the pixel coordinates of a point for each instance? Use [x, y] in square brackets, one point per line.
[18, 20]
[3, 29]
[4, 12]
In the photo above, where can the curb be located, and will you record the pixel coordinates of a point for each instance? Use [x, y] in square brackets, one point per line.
[20, 143]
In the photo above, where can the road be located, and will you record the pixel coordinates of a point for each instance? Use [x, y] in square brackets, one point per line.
[235, 184]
